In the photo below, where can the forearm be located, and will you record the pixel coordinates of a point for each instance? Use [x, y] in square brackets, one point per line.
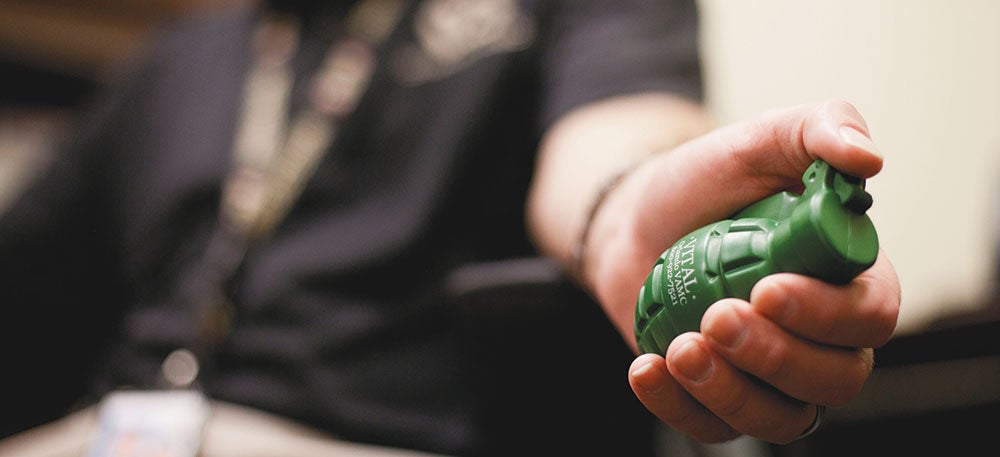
[581, 153]
[589, 146]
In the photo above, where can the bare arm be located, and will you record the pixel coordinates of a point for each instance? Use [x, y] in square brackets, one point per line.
[591, 145]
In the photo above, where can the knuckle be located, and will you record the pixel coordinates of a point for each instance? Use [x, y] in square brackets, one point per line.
[776, 429]
[704, 429]
[843, 393]
[886, 318]
[716, 435]
[682, 420]
[774, 361]
[826, 324]
[850, 385]
[881, 318]
[709, 430]
[838, 105]
[794, 428]
[734, 403]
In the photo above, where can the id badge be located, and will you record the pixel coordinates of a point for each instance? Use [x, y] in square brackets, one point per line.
[164, 423]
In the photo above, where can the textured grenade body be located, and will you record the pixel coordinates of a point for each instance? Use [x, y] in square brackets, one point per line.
[822, 233]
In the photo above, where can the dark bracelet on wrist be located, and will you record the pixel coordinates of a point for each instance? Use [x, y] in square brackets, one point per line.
[577, 255]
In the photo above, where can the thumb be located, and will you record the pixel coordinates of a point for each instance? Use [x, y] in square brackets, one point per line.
[717, 174]
[788, 140]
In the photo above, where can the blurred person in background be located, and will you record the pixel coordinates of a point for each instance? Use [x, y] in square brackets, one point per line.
[281, 193]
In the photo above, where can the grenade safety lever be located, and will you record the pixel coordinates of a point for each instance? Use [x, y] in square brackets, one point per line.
[823, 233]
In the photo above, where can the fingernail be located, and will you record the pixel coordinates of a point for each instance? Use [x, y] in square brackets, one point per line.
[772, 300]
[853, 137]
[692, 361]
[724, 326]
[785, 309]
[644, 378]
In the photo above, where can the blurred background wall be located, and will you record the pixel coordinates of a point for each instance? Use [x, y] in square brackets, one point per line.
[924, 73]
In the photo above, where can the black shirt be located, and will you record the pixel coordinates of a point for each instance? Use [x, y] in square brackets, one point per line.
[343, 320]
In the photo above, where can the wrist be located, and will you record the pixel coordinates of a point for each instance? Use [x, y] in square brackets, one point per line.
[607, 241]
[614, 258]
[579, 250]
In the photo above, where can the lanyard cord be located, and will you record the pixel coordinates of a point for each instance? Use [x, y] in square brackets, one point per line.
[268, 177]
[273, 160]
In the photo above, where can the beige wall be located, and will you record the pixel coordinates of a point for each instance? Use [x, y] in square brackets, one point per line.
[926, 75]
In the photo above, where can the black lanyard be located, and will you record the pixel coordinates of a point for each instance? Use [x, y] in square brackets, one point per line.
[273, 159]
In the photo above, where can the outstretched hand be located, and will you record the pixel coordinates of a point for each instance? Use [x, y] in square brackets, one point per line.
[757, 367]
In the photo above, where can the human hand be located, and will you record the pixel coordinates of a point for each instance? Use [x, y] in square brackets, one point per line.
[757, 367]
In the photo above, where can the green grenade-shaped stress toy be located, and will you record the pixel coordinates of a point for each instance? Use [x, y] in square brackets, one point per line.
[823, 233]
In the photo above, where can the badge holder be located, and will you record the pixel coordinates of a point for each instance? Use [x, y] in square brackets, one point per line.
[165, 423]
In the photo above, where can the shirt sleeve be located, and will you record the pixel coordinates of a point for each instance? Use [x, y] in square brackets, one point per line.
[594, 49]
